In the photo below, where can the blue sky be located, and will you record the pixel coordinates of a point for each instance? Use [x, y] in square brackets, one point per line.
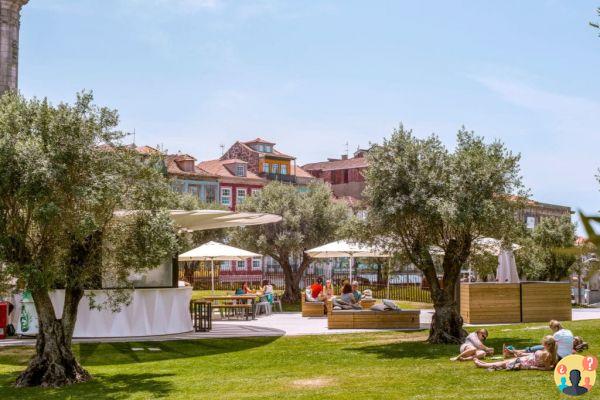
[313, 75]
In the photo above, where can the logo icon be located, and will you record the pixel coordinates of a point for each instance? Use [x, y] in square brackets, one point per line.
[575, 375]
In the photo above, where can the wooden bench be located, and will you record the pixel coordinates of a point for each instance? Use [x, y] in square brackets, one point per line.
[367, 319]
[245, 308]
[312, 308]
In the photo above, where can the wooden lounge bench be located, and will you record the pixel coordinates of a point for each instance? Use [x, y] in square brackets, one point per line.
[312, 308]
[367, 319]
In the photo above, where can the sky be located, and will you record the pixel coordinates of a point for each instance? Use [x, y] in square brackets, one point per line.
[192, 75]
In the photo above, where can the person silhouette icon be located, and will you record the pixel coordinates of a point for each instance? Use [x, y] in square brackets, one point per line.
[575, 389]
[586, 383]
[563, 383]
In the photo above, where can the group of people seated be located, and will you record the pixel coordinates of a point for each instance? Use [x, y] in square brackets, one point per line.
[318, 292]
[265, 289]
[543, 356]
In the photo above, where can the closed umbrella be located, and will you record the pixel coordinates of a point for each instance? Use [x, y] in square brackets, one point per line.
[507, 267]
[215, 251]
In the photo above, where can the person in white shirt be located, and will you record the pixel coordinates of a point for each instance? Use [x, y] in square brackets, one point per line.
[473, 346]
[563, 337]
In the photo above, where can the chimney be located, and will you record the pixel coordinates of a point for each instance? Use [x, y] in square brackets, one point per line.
[344, 156]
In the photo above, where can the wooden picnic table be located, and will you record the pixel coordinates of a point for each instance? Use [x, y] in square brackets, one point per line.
[251, 297]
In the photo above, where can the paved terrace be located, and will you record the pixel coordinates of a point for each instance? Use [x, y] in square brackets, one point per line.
[277, 324]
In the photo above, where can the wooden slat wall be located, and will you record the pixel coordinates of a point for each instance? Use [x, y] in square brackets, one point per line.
[490, 303]
[543, 301]
[374, 320]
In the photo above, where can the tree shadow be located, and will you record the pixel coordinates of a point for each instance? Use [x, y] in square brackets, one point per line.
[426, 351]
[102, 386]
[96, 354]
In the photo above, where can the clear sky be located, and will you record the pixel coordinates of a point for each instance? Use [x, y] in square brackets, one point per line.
[312, 75]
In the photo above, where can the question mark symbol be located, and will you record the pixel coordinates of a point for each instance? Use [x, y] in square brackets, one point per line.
[590, 363]
[562, 369]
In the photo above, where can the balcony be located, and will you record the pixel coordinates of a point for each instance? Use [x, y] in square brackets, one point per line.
[278, 177]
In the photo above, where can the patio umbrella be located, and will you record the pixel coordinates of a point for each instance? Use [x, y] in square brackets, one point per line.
[215, 251]
[507, 268]
[343, 248]
[198, 220]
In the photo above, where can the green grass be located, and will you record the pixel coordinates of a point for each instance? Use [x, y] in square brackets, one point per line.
[384, 365]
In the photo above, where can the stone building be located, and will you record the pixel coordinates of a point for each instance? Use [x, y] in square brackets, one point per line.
[10, 21]
[267, 162]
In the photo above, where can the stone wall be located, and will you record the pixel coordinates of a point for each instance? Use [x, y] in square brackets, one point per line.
[241, 152]
[9, 43]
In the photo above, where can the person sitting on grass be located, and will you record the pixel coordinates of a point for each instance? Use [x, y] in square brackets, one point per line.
[543, 360]
[473, 346]
[357, 294]
[564, 340]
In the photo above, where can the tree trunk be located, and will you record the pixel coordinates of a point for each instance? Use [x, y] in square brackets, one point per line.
[54, 364]
[291, 293]
[446, 322]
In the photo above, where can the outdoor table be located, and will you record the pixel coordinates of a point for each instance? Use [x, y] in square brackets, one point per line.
[251, 297]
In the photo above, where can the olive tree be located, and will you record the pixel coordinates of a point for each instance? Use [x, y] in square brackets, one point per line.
[310, 218]
[63, 183]
[421, 196]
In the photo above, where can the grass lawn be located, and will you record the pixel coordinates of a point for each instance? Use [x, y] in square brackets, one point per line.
[385, 365]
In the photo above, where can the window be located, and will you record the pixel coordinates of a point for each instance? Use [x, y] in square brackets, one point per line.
[267, 148]
[530, 222]
[240, 170]
[225, 265]
[211, 193]
[241, 195]
[255, 192]
[226, 196]
[194, 189]
[275, 168]
[241, 266]
[283, 169]
[266, 168]
[260, 148]
[256, 264]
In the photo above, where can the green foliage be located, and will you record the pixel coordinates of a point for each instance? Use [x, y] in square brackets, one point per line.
[63, 176]
[310, 219]
[421, 195]
[545, 255]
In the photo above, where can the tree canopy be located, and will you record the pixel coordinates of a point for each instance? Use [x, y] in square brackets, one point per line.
[310, 218]
[64, 175]
[419, 195]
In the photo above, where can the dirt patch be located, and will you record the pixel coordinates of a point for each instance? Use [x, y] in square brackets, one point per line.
[313, 383]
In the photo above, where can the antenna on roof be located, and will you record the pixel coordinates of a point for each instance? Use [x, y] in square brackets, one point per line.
[222, 146]
[347, 152]
[134, 136]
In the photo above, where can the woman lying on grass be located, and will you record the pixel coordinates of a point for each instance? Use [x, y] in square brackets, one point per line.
[543, 360]
[473, 346]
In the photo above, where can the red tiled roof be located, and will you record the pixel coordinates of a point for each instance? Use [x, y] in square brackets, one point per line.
[302, 173]
[274, 153]
[218, 168]
[147, 150]
[259, 140]
[173, 168]
[357, 162]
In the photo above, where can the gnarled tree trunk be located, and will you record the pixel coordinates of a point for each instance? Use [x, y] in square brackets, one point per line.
[446, 322]
[54, 364]
[292, 293]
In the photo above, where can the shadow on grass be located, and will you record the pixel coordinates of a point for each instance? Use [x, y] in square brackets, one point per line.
[93, 354]
[114, 387]
[426, 351]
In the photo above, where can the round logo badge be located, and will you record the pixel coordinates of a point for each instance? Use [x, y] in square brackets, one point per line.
[575, 375]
